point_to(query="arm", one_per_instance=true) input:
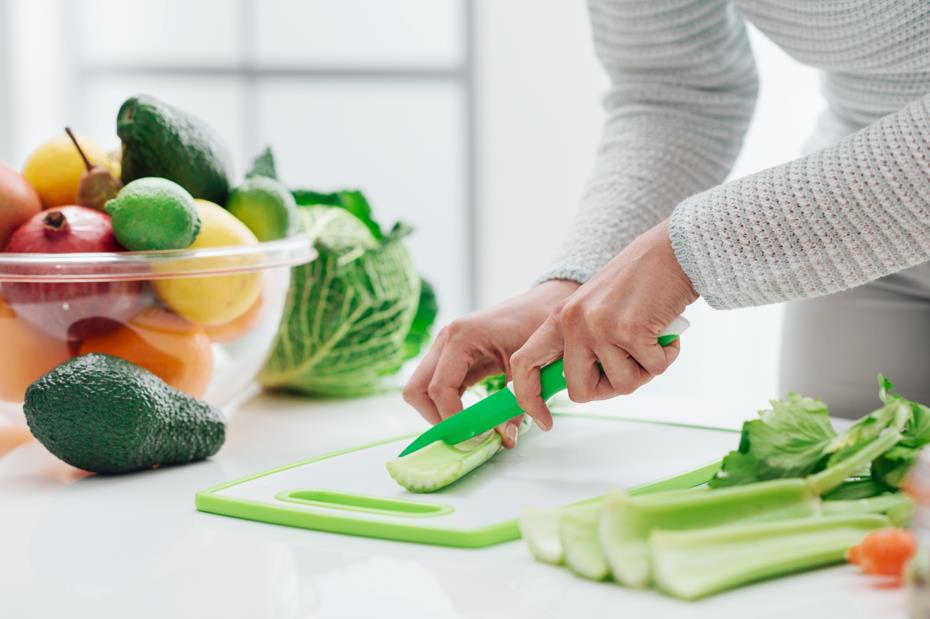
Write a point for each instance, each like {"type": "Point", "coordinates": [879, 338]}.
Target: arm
{"type": "Point", "coordinates": [826, 222]}
{"type": "Point", "coordinates": [683, 89]}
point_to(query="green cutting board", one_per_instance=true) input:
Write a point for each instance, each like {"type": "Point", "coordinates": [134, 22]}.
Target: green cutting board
{"type": "Point", "coordinates": [349, 491]}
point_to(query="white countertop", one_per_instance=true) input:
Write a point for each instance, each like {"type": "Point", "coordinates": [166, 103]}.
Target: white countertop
{"type": "Point", "coordinates": [133, 546]}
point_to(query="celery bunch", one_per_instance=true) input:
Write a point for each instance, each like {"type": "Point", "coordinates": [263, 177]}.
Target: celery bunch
{"type": "Point", "coordinates": [763, 515]}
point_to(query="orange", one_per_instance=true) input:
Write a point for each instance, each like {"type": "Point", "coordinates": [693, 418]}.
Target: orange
{"type": "Point", "coordinates": [237, 327]}
{"type": "Point", "coordinates": [12, 437]}
{"type": "Point", "coordinates": [175, 349]}
{"type": "Point", "coordinates": [27, 354]}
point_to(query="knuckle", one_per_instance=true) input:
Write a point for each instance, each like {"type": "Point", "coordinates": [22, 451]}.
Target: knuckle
{"type": "Point", "coordinates": [457, 329]}
{"type": "Point", "coordinates": [435, 390]}
{"type": "Point", "coordinates": [658, 368]}
{"type": "Point", "coordinates": [570, 312]}
{"type": "Point", "coordinates": [626, 385]}
{"type": "Point", "coordinates": [601, 318]}
{"type": "Point", "coordinates": [411, 394]}
{"type": "Point", "coordinates": [580, 393]}
{"type": "Point", "coordinates": [518, 361]}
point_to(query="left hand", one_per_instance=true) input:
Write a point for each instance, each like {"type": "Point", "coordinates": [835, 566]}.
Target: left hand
{"type": "Point", "coordinates": [606, 330]}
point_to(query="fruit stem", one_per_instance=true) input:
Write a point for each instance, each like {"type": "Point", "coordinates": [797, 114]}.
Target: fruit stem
{"type": "Point", "coordinates": [55, 223]}
{"type": "Point", "coordinates": [80, 151]}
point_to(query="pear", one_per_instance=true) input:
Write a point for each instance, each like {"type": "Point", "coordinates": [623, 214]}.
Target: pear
{"type": "Point", "coordinates": [97, 183]}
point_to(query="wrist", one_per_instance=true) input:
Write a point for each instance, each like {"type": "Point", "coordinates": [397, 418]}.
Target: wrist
{"type": "Point", "coordinates": [662, 243]}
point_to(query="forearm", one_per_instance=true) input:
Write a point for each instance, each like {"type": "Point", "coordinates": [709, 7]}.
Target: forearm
{"type": "Point", "coordinates": [820, 224]}
{"type": "Point", "coordinates": [683, 88]}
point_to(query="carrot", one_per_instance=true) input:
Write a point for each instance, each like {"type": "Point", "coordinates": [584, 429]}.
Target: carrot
{"type": "Point", "coordinates": [884, 552]}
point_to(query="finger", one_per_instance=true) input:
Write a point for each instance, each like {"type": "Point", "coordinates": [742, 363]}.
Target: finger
{"type": "Point", "coordinates": [482, 369]}
{"type": "Point", "coordinates": [672, 351]}
{"type": "Point", "coordinates": [622, 374]}
{"type": "Point", "coordinates": [509, 432]}
{"type": "Point", "coordinates": [582, 374]}
{"type": "Point", "coordinates": [542, 347]}
{"type": "Point", "coordinates": [446, 386]}
{"type": "Point", "coordinates": [415, 391]}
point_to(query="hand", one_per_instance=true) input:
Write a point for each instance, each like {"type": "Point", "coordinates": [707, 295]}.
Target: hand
{"type": "Point", "coordinates": [606, 331]}
{"type": "Point", "coordinates": [479, 345]}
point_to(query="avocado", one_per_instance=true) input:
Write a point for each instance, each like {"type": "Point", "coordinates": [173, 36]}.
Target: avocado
{"type": "Point", "coordinates": [161, 140]}
{"type": "Point", "coordinates": [103, 414]}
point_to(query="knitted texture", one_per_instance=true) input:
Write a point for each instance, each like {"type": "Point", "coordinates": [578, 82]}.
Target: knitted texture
{"type": "Point", "coordinates": [683, 88]}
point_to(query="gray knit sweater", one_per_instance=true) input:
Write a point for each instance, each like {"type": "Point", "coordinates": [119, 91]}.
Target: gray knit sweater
{"type": "Point", "coordinates": [683, 88]}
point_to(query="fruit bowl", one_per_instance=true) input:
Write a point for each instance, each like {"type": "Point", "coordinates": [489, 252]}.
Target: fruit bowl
{"type": "Point", "coordinates": [201, 319]}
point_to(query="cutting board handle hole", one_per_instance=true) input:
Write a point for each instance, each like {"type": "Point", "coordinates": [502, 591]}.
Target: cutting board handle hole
{"type": "Point", "coordinates": [332, 499]}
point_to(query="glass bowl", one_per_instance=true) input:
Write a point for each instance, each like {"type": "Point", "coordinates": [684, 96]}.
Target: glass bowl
{"type": "Point", "coordinates": [203, 320]}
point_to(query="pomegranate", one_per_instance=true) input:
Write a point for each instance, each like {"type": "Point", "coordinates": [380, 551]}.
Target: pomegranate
{"type": "Point", "coordinates": [70, 310]}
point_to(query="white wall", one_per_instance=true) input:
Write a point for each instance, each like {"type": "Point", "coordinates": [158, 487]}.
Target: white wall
{"type": "Point", "coordinates": [539, 119]}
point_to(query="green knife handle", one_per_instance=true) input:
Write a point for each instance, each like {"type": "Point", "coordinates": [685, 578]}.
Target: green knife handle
{"type": "Point", "coordinates": [552, 376]}
{"type": "Point", "coordinates": [552, 379]}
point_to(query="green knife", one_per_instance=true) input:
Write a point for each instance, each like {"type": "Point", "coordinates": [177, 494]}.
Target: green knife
{"type": "Point", "coordinates": [502, 406]}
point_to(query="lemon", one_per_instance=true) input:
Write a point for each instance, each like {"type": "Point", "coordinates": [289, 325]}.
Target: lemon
{"type": "Point", "coordinates": [54, 169]}
{"type": "Point", "coordinates": [214, 299]}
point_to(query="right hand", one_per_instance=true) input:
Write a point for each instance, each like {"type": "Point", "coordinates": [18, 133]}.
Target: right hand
{"type": "Point", "coordinates": [479, 345]}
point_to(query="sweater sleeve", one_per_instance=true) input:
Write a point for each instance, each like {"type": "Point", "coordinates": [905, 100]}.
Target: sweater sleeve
{"type": "Point", "coordinates": [683, 90]}
{"type": "Point", "coordinates": [832, 220]}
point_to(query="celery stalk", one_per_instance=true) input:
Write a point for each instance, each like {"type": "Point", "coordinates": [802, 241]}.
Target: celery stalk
{"type": "Point", "coordinates": [834, 475]}
{"type": "Point", "coordinates": [582, 547]}
{"type": "Point", "coordinates": [694, 564]}
{"type": "Point", "coordinates": [539, 528]}
{"type": "Point", "coordinates": [627, 521]}
{"type": "Point", "coordinates": [437, 465]}
{"type": "Point", "coordinates": [896, 506]}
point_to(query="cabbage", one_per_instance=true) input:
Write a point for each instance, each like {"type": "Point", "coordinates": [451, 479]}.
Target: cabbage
{"type": "Point", "coordinates": [357, 312]}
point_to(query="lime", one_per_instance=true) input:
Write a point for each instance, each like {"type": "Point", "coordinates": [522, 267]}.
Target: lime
{"type": "Point", "coordinates": [265, 206]}
{"type": "Point", "coordinates": [154, 213]}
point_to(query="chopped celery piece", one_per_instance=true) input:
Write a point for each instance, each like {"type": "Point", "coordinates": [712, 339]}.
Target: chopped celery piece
{"type": "Point", "coordinates": [627, 521]}
{"type": "Point", "coordinates": [580, 541]}
{"type": "Point", "coordinates": [694, 564]}
{"type": "Point", "coordinates": [539, 528]}
{"type": "Point", "coordinates": [437, 465]}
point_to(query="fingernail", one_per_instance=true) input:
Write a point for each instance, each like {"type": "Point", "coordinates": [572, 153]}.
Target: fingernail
{"type": "Point", "coordinates": [513, 433]}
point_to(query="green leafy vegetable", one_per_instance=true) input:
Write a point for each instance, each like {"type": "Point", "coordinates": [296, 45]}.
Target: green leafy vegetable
{"type": "Point", "coordinates": [892, 467]}
{"type": "Point", "coordinates": [352, 200]}
{"type": "Point", "coordinates": [795, 438]}
{"type": "Point", "coordinates": [263, 165]}
{"type": "Point", "coordinates": [789, 440]}
{"type": "Point", "coordinates": [356, 313]}
{"type": "Point", "coordinates": [420, 329]}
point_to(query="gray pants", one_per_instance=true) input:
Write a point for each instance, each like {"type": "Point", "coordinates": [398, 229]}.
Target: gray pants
{"type": "Point", "coordinates": [834, 346]}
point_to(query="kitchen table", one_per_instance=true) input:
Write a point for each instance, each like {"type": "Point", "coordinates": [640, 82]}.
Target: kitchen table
{"type": "Point", "coordinates": [133, 546]}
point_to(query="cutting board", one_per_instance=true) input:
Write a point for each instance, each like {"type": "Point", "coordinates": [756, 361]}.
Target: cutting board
{"type": "Point", "coordinates": [350, 491]}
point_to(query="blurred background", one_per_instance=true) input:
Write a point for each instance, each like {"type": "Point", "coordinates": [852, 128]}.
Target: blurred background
{"type": "Point", "coordinates": [474, 121]}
